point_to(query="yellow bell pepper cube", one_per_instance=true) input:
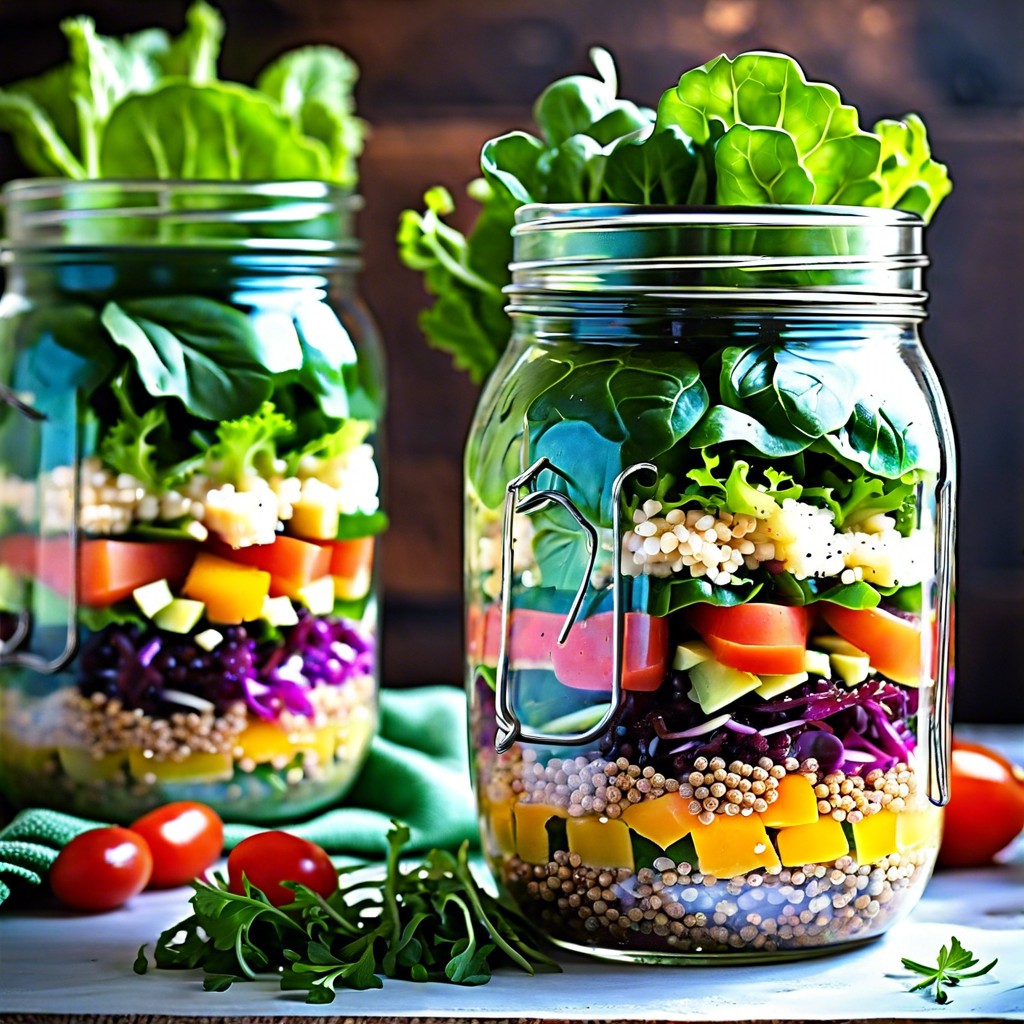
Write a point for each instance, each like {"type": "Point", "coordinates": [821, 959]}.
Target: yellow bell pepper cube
{"type": "Point", "coordinates": [79, 764]}
{"type": "Point", "coordinates": [796, 804]}
{"type": "Point", "coordinates": [198, 767]}
{"type": "Point", "coordinates": [264, 742]}
{"type": "Point", "coordinates": [498, 819]}
{"type": "Point", "coordinates": [819, 843]}
{"type": "Point", "coordinates": [874, 836]}
{"type": "Point", "coordinates": [600, 842]}
{"type": "Point", "coordinates": [531, 835]}
{"type": "Point", "coordinates": [918, 828]}
{"type": "Point", "coordinates": [232, 593]}
{"type": "Point", "coordinates": [663, 821]}
{"type": "Point", "coordinates": [733, 845]}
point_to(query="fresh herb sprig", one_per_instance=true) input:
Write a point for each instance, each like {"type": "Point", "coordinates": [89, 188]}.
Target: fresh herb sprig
{"type": "Point", "coordinates": [953, 966]}
{"type": "Point", "coordinates": [431, 922]}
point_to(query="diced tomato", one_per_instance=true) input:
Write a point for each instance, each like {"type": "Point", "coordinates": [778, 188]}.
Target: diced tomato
{"type": "Point", "coordinates": [109, 570]}
{"type": "Point", "coordinates": [584, 661]}
{"type": "Point", "coordinates": [762, 638]}
{"type": "Point", "coordinates": [892, 644]}
{"type": "Point", "coordinates": [292, 563]}
{"type": "Point", "coordinates": [351, 565]}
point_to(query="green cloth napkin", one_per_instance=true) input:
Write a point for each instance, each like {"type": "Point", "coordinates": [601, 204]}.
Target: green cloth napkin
{"type": "Point", "coordinates": [417, 771]}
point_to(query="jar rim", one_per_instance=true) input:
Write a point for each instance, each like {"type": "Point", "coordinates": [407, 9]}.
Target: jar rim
{"type": "Point", "coordinates": [298, 216]}
{"type": "Point", "coordinates": [849, 258]}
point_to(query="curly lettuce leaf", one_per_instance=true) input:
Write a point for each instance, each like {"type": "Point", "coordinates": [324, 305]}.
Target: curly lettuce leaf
{"type": "Point", "coordinates": [248, 446]}
{"type": "Point", "coordinates": [910, 178]}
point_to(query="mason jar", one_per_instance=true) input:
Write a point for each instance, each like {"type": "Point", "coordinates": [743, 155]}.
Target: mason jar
{"type": "Point", "coordinates": [189, 498]}
{"type": "Point", "coordinates": [709, 573]}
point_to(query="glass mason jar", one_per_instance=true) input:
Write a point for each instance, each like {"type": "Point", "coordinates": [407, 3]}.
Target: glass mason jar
{"type": "Point", "coordinates": [189, 493]}
{"type": "Point", "coordinates": [709, 568]}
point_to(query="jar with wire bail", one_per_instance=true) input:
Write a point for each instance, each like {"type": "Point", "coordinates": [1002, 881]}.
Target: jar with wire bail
{"type": "Point", "coordinates": [709, 577]}
{"type": "Point", "coordinates": [189, 498]}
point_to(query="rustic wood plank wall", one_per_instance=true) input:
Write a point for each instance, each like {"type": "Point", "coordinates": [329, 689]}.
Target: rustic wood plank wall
{"type": "Point", "coordinates": [441, 76]}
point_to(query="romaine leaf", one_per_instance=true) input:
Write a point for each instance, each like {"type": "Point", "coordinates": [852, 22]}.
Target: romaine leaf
{"type": "Point", "coordinates": [768, 90]}
{"type": "Point", "coordinates": [192, 348]}
{"type": "Point", "coordinates": [217, 131]}
{"type": "Point", "coordinates": [195, 52]}
{"type": "Point", "coordinates": [313, 86]}
{"type": "Point", "coordinates": [760, 165]}
{"type": "Point", "coordinates": [910, 178]}
{"type": "Point", "coordinates": [43, 123]}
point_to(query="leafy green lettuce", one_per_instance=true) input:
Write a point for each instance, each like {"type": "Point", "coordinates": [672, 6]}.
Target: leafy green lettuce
{"type": "Point", "coordinates": [151, 106]}
{"type": "Point", "coordinates": [749, 130]}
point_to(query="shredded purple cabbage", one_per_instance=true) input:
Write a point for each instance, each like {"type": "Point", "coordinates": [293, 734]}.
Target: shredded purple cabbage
{"type": "Point", "coordinates": [138, 667]}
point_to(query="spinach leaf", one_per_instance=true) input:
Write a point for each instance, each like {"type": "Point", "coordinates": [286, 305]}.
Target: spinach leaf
{"type": "Point", "coordinates": [560, 549]}
{"type": "Point", "coordinates": [572, 105]}
{"type": "Point", "coordinates": [910, 178]}
{"type": "Point", "coordinates": [509, 163]}
{"type": "Point", "coordinates": [655, 167]}
{"type": "Point", "coordinates": [65, 352]}
{"type": "Point", "coordinates": [810, 387]}
{"type": "Point", "coordinates": [723, 424]}
{"type": "Point", "coordinates": [882, 440]}
{"type": "Point", "coordinates": [188, 347]}
{"type": "Point", "coordinates": [215, 131]}
{"type": "Point", "coordinates": [313, 87]}
{"type": "Point", "coordinates": [670, 595]}
{"type": "Point", "coordinates": [328, 355]}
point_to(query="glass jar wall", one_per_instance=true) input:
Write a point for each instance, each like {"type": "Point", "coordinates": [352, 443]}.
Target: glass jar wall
{"type": "Point", "coordinates": [189, 498]}
{"type": "Point", "coordinates": [709, 556]}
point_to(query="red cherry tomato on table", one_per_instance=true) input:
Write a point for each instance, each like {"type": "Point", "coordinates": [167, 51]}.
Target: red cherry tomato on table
{"type": "Point", "coordinates": [269, 858]}
{"type": "Point", "coordinates": [101, 869]}
{"type": "Point", "coordinates": [986, 806]}
{"type": "Point", "coordinates": [185, 838]}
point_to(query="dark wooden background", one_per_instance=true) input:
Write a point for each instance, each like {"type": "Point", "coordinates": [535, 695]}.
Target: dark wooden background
{"type": "Point", "coordinates": [441, 76]}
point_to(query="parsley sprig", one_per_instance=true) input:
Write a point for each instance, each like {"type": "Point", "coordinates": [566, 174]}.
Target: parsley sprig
{"type": "Point", "coordinates": [953, 966]}
{"type": "Point", "coordinates": [429, 923]}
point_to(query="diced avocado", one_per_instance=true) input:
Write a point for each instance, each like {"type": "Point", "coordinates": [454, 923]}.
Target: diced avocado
{"type": "Point", "coordinates": [837, 645]}
{"type": "Point", "coordinates": [318, 595]}
{"type": "Point", "coordinates": [816, 662]}
{"type": "Point", "coordinates": [12, 591]}
{"type": "Point", "coordinates": [279, 611]}
{"type": "Point", "coordinates": [718, 685]}
{"type": "Point", "coordinates": [772, 686]}
{"type": "Point", "coordinates": [209, 639]}
{"type": "Point", "coordinates": [153, 597]}
{"type": "Point", "coordinates": [852, 669]}
{"type": "Point", "coordinates": [80, 764]}
{"type": "Point", "coordinates": [689, 654]}
{"type": "Point", "coordinates": [180, 616]}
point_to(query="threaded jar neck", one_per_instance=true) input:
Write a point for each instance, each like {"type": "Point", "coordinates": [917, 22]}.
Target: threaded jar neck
{"type": "Point", "coordinates": [834, 260]}
{"type": "Point", "coordinates": [309, 219]}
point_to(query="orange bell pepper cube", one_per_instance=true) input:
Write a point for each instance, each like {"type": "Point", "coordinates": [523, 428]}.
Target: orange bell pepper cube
{"type": "Point", "coordinates": [292, 563]}
{"type": "Point", "coordinates": [892, 644]}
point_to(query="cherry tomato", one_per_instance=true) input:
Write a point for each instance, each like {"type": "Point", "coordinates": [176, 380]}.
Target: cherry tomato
{"type": "Point", "coordinates": [185, 838]}
{"type": "Point", "coordinates": [269, 858]}
{"type": "Point", "coordinates": [986, 806]}
{"type": "Point", "coordinates": [101, 869]}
